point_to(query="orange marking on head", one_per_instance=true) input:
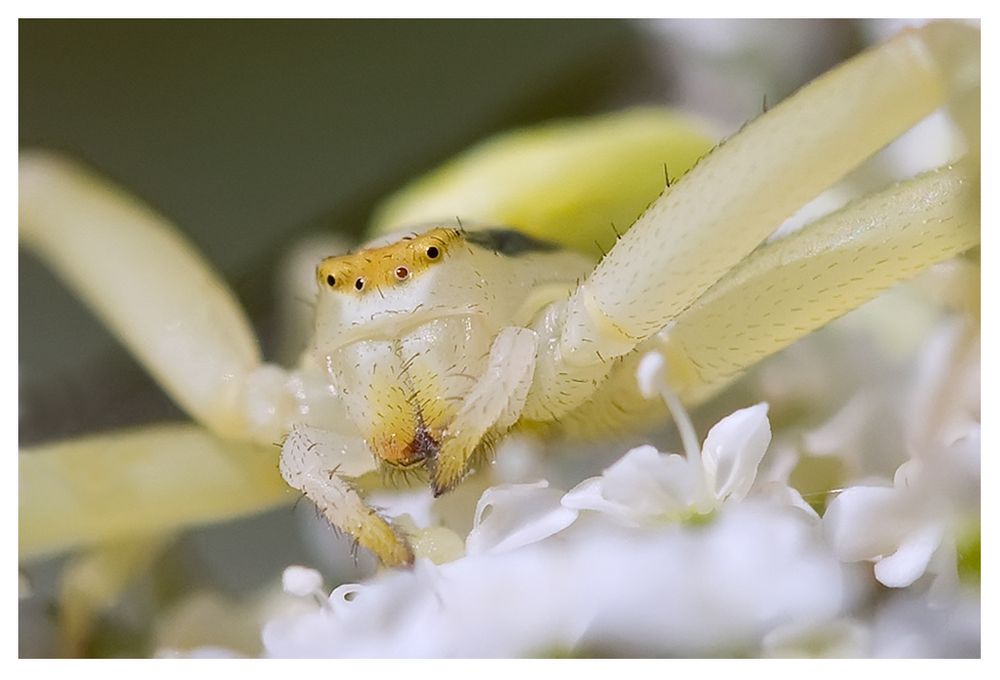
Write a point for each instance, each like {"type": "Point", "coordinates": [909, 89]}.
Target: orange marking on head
{"type": "Point", "coordinates": [380, 268]}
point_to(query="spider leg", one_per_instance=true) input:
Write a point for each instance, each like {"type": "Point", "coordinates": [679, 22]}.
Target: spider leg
{"type": "Point", "coordinates": [325, 479]}
{"type": "Point", "coordinates": [156, 294]}
{"type": "Point", "coordinates": [141, 482]}
{"type": "Point", "coordinates": [712, 218]}
{"type": "Point", "coordinates": [794, 285]}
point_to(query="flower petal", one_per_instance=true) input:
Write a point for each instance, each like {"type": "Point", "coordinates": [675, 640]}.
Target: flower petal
{"type": "Point", "coordinates": [859, 523]}
{"type": "Point", "coordinates": [782, 494]}
{"type": "Point", "coordinates": [733, 451]}
{"type": "Point", "coordinates": [519, 514]}
{"type": "Point", "coordinates": [589, 495]}
{"type": "Point", "coordinates": [650, 484]}
{"type": "Point", "coordinates": [910, 561]}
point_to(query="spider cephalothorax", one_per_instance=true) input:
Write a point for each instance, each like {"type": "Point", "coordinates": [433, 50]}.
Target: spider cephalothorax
{"type": "Point", "coordinates": [404, 329]}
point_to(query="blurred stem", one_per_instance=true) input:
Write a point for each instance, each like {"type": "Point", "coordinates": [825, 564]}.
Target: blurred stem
{"type": "Point", "coordinates": [94, 581]}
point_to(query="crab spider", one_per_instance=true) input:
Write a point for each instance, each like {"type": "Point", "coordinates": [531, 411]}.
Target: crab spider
{"type": "Point", "coordinates": [432, 344]}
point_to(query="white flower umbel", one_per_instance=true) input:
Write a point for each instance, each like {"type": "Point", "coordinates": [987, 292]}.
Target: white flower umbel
{"type": "Point", "coordinates": [596, 588]}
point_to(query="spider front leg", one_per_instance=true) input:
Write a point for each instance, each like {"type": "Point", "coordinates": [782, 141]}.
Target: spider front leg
{"type": "Point", "coordinates": [142, 482]}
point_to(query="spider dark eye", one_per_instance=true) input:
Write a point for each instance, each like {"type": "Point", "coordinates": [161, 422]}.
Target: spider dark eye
{"type": "Point", "coordinates": [330, 281]}
{"type": "Point", "coordinates": [359, 284]}
{"type": "Point", "coordinates": [402, 273]}
{"type": "Point", "coordinates": [433, 252]}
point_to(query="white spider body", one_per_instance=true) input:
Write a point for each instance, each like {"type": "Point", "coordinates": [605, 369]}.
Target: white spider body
{"type": "Point", "coordinates": [404, 338]}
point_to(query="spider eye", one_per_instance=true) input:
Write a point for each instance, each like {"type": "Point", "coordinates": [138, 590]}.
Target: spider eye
{"type": "Point", "coordinates": [402, 273]}
{"type": "Point", "coordinates": [433, 252]}
{"type": "Point", "coordinates": [330, 281]}
{"type": "Point", "coordinates": [359, 284]}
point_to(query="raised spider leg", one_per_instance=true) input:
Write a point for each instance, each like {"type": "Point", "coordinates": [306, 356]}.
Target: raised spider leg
{"type": "Point", "coordinates": [793, 286]}
{"type": "Point", "coordinates": [720, 211]}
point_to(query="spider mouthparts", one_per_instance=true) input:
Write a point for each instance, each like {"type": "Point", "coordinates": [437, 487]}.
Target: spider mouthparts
{"type": "Point", "coordinates": [424, 446]}
{"type": "Point", "coordinates": [420, 449]}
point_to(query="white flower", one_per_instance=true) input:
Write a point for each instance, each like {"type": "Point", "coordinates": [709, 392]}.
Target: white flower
{"type": "Point", "coordinates": [648, 486]}
{"type": "Point", "coordinates": [911, 528]}
{"type": "Point", "coordinates": [512, 515]}
{"type": "Point", "coordinates": [885, 525]}
{"type": "Point", "coordinates": [538, 577]}
{"type": "Point", "coordinates": [908, 528]}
